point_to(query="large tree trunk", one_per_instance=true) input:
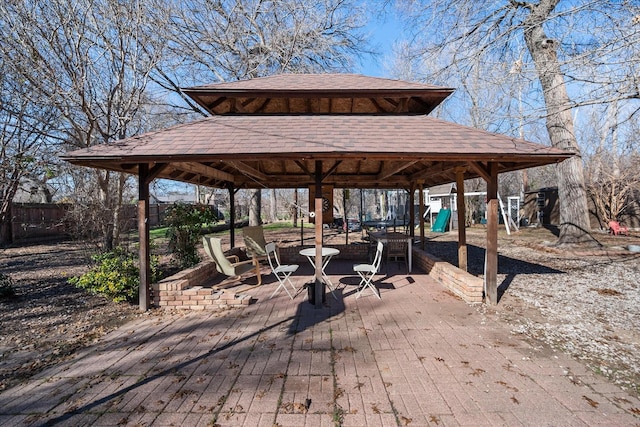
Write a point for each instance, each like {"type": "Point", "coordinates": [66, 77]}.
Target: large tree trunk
{"type": "Point", "coordinates": [574, 216]}
{"type": "Point", "coordinates": [273, 211]}
{"type": "Point", "coordinates": [255, 206]}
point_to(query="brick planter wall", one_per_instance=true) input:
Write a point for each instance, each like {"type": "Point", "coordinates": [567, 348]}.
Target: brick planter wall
{"type": "Point", "coordinates": [465, 285]}
{"type": "Point", "coordinates": [187, 290]}
{"type": "Point", "coordinates": [354, 252]}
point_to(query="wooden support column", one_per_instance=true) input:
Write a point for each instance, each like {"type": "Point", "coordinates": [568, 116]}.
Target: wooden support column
{"type": "Point", "coordinates": [412, 211]}
{"type": "Point", "coordinates": [491, 268]}
{"type": "Point", "coordinates": [145, 176]}
{"type": "Point", "coordinates": [143, 233]}
{"type": "Point", "coordinates": [318, 229]}
{"type": "Point", "coordinates": [462, 231]}
{"type": "Point", "coordinates": [232, 214]}
{"type": "Point", "coordinates": [421, 211]}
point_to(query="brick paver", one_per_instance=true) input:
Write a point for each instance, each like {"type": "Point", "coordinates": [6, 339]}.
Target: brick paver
{"type": "Point", "coordinates": [417, 357]}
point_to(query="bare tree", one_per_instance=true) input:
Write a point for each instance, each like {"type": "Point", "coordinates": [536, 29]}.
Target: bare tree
{"type": "Point", "coordinates": [90, 59]}
{"type": "Point", "coordinates": [25, 128]}
{"type": "Point", "coordinates": [227, 40]}
{"type": "Point", "coordinates": [567, 44]}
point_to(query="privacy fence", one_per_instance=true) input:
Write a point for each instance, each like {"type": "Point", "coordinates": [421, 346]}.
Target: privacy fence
{"type": "Point", "coordinates": [40, 222]}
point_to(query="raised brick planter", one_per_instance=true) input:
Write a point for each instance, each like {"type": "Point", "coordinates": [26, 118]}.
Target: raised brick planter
{"type": "Point", "coordinates": [467, 286]}
{"type": "Point", "coordinates": [463, 284]}
{"type": "Point", "coordinates": [187, 290]}
{"type": "Point", "coordinates": [354, 252]}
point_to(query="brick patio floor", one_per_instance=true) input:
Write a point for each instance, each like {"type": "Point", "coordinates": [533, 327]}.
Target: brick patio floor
{"type": "Point", "coordinates": [417, 357]}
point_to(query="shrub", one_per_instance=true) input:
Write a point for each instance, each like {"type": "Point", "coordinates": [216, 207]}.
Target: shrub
{"type": "Point", "coordinates": [6, 287]}
{"type": "Point", "coordinates": [185, 223]}
{"type": "Point", "coordinates": [115, 275]}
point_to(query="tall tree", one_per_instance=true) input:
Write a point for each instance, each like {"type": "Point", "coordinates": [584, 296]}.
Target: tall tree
{"type": "Point", "coordinates": [25, 129]}
{"type": "Point", "coordinates": [568, 43]}
{"type": "Point", "coordinates": [91, 60]}
{"type": "Point", "coordinates": [227, 40]}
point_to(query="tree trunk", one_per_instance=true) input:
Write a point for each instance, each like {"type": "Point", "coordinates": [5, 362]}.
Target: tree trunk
{"type": "Point", "coordinates": [273, 211]}
{"type": "Point", "coordinates": [255, 208]}
{"type": "Point", "coordinates": [574, 216]}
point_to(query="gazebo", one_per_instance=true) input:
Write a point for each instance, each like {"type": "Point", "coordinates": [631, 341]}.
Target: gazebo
{"type": "Point", "coordinates": [315, 131]}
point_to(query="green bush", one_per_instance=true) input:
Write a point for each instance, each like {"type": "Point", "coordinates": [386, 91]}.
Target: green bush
{"type": "Point", "coordinates": [6, 287]}
{"type": "Point", "coordinates": [115, 275]}
{"type": "Point", "coordinates": [185, 223]}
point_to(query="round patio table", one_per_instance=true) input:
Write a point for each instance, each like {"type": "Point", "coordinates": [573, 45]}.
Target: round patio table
{"type": "Point", "coordinates": [327, 254]}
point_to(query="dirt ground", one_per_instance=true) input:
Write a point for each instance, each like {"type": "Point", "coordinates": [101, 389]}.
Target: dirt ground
{"type": "Point", "coordinates": [578, 300]}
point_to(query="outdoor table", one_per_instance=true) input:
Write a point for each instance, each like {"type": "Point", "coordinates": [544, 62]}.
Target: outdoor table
{"type": "Point", "coordinates": [388, 237]}
{"type": "Point", "coordinates": [327, 254]}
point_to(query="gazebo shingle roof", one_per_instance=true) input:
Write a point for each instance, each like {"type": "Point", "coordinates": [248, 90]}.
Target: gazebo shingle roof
{"type": "Point", "coordinates": [268, 132]}
{"type": "Point", "coordinates": [277, 147]}
{"type": "Point", "coordinates": [319, 94]}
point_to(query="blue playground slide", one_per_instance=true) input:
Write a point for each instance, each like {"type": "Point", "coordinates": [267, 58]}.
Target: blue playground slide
{"type": "Point", "coordinates": [440, 225]}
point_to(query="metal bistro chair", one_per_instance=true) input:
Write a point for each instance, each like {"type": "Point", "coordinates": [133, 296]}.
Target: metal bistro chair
{"type": "Point", "coordinates": [281, 271]}
{"type": "Point", "coordinates": [368, 271]}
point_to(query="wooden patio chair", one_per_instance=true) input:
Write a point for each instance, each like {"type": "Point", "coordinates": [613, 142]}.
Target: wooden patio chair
{"type": "Point", "coordinates": [229, 265]}
{"type": "Point", "coordinates": [397, 250]}
{"type": "Point", "coordinates": [615, 228]}
{"type": "Point", "coordinates": [255, 242]}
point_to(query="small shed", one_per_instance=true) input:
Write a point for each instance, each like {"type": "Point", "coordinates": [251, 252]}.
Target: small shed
{"type": "Point", "coordinates": [542, 206]}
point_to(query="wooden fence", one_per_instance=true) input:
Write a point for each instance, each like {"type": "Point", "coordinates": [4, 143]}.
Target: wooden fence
{"type": "Point", "coordinates": [40, 222]}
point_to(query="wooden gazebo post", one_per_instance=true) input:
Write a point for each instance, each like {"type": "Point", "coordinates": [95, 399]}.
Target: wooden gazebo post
{"type": "Point", "coordinates": [412, 211]}
{"type": "Point", "coordinates": [490, 174]}
{"type": "Point", "coordinates": [232, 215]}
{"type": "Point", "coordinates": [145, 176]}
{"type": "Point", "coordinates": [462, 232]}
{"type": "Point", "coordinates": [143, 236]}
{"type": "Point", "coordinates": [491, 270]}
{"type": "Point", "coordinates": [421, 211]}
{"type": "Point", "coordinates": [318, 229]}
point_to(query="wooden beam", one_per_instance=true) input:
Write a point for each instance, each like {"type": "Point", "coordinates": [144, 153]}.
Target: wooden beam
{"type": "Point", "coordinates": [200, 169]}
{"type": "Point", "coordinates": [491, 269]}
{"type": "Point", "coordinates": [462, 229]}
{"type": "Point", "coordinates": [392, 168]}
{"type": "Point", "coordinates": [143, 233]}
{"type": "Point", "coordinates": [482, 170]}
{"type": "Point", "coordinates": [435, 169]}
{"type": "Point", "coordinates": [155, 171]}
{"type": "Point", "coordinates": [248, 170]}
{"type": "Point", "coordinates": [331, 170]}
{"type": "Point", "coordinates": [304, 168]}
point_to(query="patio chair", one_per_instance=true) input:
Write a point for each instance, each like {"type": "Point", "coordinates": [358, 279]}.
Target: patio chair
{"type": "Point", "coordinates": [229, 265]}
{"type": "Point", "coordinates": [397, 250]}
{"type": "Point", "coordinates": [368, 271]}
{"type": "Point", "coordinates": [281, 271]}
{"type": "Point", "coordinates": [255, 242]}
{"type": "Point", "coordinates": [615, 228]}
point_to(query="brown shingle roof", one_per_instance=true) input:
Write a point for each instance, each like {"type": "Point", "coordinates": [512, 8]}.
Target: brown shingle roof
{"type": "Point", "coordinates": [318, 83]}
{"type": "Point", "coordinates": [318, 94]}
{"type": "Point", "coordinates": [273, 150]}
